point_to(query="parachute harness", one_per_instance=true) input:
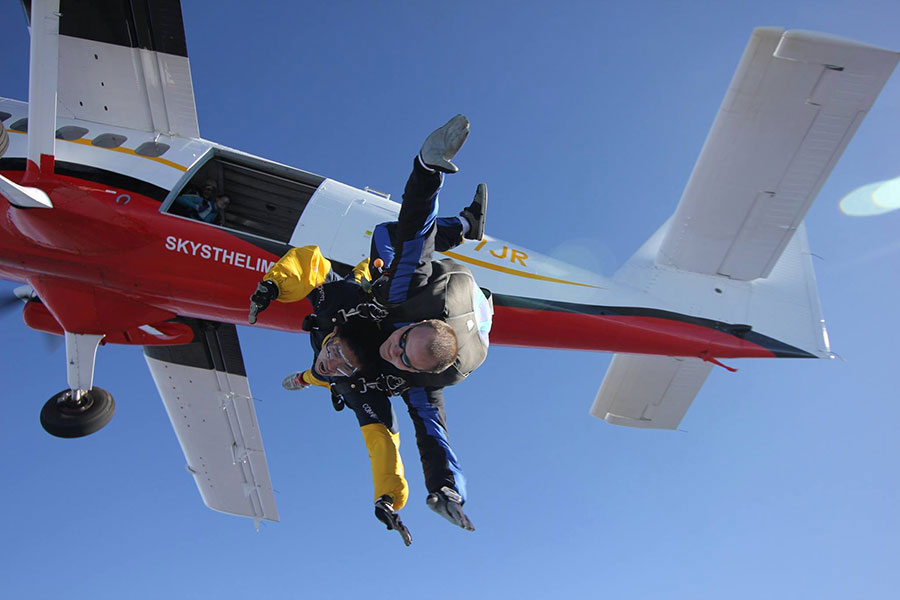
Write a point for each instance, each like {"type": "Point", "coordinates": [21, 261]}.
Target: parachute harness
{"type": "Point", "coordinates": [370, 309]}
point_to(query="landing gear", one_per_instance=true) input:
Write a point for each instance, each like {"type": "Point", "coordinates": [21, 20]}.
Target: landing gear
{"type": "Point", "coordinates": [72, 414]}
{"type": "Point", "coordinates": [83, 408]}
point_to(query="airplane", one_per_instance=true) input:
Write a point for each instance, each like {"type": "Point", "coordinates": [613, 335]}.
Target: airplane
{"type": "Point", "coordinates": [91, 167]}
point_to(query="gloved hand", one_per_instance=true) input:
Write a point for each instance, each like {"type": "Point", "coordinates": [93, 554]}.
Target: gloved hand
{"type": "Point", "coordinates": [384, 512]}
{"type": "Point", "coordinates": [448, 503]}
{"type": "Point", "coordinates": [337, 401]}
{"type": "Point", "coordinates": [266, 291]}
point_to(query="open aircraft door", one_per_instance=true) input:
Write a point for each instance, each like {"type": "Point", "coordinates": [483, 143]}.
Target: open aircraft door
{"type": "Point", "coordinates": [356, 211]}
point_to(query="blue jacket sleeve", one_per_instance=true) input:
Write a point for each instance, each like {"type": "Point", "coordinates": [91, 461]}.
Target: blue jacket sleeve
{"type": "Point", "coordinates": [439, 462]}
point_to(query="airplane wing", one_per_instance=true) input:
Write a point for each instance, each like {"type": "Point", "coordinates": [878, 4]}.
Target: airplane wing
{"type": "Point", "coordinates": [125, 64]}
{"type": "Point", "coordinates": [205, 390]}
{"type": "Point", "coordinates": [646, 391]}
{"type": "Point", "coordinates": [794, 103]}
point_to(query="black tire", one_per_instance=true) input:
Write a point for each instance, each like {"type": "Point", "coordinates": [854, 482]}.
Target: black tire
{"type": "Point", "coordinates": [62, 418]}
{"type": "Point", "coordinates": [4, 139]}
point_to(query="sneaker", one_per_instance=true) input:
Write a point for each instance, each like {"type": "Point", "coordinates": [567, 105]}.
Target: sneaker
{"type": "Point", "coordinates": [443, 144]}
{"type": "Point", "coordinates": [475, 213]}
{"type": "Point", "coordinates": [294, 381]}
{"type": "Point", "coordinates": [384, 512]}
{"type": "Point", "coordinates": [448, 503]}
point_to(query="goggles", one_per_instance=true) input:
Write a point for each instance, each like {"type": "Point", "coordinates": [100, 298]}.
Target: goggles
{"type": "Point", "coordinates": [402, 342]}
{"type": "Point", "coordinates": [334, 352]}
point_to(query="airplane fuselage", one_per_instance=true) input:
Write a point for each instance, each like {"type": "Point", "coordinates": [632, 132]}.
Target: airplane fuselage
{"type": "Point", "coordinates": [112, 257]}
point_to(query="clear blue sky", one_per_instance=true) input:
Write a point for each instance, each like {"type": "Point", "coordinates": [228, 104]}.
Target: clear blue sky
{"type": "Point", "coordinates": [586, 121]}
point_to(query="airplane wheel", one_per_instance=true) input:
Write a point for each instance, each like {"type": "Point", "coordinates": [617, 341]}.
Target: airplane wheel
{"type": "Point", "coordinates": [64, 417]}
{"type": "Point", "coordinates": [4, 139]}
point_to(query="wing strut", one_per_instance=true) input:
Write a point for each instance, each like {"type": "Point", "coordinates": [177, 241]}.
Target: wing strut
{"type": "Point", "coordinates": [42, 80]}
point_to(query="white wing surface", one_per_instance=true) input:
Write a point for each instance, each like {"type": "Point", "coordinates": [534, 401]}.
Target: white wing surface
{"type": "Point", "coordinates": [207, 396]}
{"type": "Point", "coordinates": [652, 392]}
{"type": "Point", "coordinates": [125, 63]}
{"type": "Point", "coordinates": [794, 103]}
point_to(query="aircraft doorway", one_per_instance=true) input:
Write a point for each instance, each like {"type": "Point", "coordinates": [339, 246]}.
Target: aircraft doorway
{"type": "Point", "coordinates": [263, 199]}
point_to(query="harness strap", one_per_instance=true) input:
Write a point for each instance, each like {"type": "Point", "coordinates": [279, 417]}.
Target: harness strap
{"type": "Point", "coordinates": [391, 385]}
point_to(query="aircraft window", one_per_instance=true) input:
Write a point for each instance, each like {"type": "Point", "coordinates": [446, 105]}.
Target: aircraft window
{"type": "Point", "coordinates": [20, 125]}
{"type": "Point", "coordinates": [109, 140]}
{"type": "Point", "coordinates": [70, 133]}
{"type": "Point", "coordinates": [4, 115]}
{"type": "Point", "coordinates": [151, 149]}
{"type": "Point", "coordinates": [264, 199]}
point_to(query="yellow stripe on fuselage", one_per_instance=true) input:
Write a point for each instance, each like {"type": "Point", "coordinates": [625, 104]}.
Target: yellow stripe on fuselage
{"type": "Point", "coordinates": [87, 142]}
{"type": "Point", "coordinates": [516, 272]}
{"type": "Point", "coordinates": [454, 255]}
{"type": "Point", "coordinates": [161, 161]}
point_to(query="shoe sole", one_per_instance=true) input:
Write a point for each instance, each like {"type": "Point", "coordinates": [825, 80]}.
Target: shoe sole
{"type": "Point", "coordinates": [450, 136]}
{"type": "Point", "coordinates": [478, 233]}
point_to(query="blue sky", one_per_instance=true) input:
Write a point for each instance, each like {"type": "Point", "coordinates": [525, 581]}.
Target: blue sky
{"type": "Point", "coordinates": [586, 118]}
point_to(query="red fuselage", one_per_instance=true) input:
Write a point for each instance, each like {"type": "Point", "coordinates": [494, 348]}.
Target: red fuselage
{"type": "Point", "coordinates": [105, 260]}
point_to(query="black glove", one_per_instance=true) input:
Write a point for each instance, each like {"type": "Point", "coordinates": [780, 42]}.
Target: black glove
{"type": "Point", "coordinates": [266, 291]}
{"type": "Point", "coordinates": [384, 512]}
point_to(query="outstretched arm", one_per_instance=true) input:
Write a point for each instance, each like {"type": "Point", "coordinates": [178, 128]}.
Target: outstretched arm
{"type": "Point", "coordinates": [298, 272]}
{"type": "Point", "coordinates": [378, 424]}
{"type": "Point", "coordinates": [439, 462]}
{"type": "Point", "coordinates": [292, 278]}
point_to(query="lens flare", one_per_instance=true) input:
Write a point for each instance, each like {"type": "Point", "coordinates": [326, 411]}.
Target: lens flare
{"type": "Point", "coordinates": [888, 195]}
{"type": "Point", "coordinates": [872, 199]}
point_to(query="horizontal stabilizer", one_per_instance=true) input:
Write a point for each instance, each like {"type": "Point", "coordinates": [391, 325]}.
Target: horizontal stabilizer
{"type": "Point", "coordinates": [646, 391]}
{"type": "Point", "coordinates": [207, 396]}
{"type": "Point", "coordinates": [795, 102]}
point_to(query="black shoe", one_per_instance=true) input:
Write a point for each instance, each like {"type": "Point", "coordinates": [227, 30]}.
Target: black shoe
{"type": "Point", "coordinates": [384, 512]}
{"type": "Point", "coordinates": [448, 503]}
{"type": "Point", "coordinates": [443, 143]}
{"type": "Point", "coordinates": [475, 213]}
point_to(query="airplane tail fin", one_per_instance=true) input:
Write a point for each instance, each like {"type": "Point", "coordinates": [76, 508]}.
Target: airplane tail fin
{"type": "Point", "coordinates": [783, 306]}
{"type": "Point", "coordinates": [735, 253]}
{"type": "Point", "coordinates": [655, 392]}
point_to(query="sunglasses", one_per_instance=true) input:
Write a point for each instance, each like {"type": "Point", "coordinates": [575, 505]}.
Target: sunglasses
{"type": "Point", "coordinates": [333, 352]}
{"type": "Point", "coordinates": [402, 342]}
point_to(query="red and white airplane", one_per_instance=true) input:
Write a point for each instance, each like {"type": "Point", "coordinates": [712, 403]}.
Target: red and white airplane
{"type": "Point", "coordinates": [93, 162]}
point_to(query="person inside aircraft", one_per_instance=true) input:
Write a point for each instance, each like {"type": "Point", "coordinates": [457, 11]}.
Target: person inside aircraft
{"type": "Point", "coordinates": [406, 347]}
{"type": "Point", "coordinates": [204, 204]}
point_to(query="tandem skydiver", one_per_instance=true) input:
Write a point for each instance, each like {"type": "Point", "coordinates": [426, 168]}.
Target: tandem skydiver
{"type": "Point", "coordinates": [432, 329]}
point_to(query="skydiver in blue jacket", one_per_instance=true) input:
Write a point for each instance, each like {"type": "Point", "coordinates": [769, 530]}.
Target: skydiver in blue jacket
{"type": "Point", "coordinates": [418, 357]}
